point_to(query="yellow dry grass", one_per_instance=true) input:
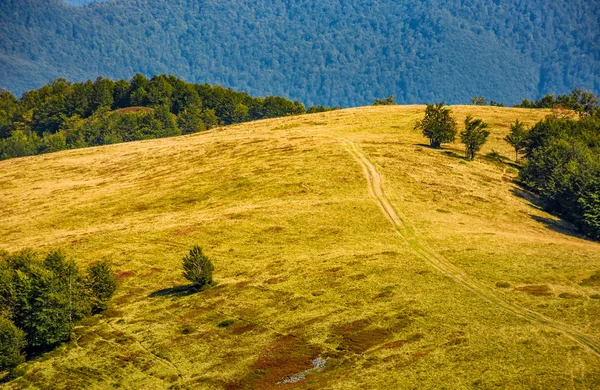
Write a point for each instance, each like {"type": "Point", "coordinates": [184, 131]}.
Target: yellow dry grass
{"type": "Point", "coordinates": [307, 262]}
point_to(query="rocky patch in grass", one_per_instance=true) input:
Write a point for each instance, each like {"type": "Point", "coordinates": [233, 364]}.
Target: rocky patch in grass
{"type": "Point", "coordinates": [286, 361]}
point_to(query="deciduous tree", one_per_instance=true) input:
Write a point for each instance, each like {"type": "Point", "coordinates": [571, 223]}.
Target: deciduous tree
{"type": "Point", "coordinates": [474, 136]}
{"type": "Point", "coordinates": [437, 125]}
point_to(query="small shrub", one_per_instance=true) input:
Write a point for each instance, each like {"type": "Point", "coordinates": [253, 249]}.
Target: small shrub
{"type": "Point", "coordinates": [197, 268]}
{"type": "Point", "coordinates": [225, 324]}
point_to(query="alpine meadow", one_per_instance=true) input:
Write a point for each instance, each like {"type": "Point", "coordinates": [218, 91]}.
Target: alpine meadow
{"type": "Point", "coordinates": [340, 236]}
{"type": "Point", "coordinates": [278, 194]}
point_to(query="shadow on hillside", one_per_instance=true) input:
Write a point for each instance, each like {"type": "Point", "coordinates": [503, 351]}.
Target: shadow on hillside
{"type": "Point", "coordinates": [444, 151]}
{"type": "Point", "coordinates": [177, 291]}
{"type": "Point", "coordinates": [452, 154]}
{"type": "Point", "coordinates": [523, 193]}
{"type": "Point", "coordinates": [559, 226]}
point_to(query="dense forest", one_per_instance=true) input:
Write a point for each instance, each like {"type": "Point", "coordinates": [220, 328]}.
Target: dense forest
{"type": "Point", "coordinates": [64, 115]}
{"type": "Point", "coordinates": [563, 166]}
{"type": "Point", "coordinates": [341, 52]}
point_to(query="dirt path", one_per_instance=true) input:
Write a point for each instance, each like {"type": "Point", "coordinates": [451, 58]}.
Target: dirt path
{"type": "Point", "coordinates": [445, 266]}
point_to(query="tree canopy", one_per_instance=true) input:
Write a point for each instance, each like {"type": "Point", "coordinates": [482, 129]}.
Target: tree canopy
{"type": "Point", "coordinates": [474, 136]}
{"type": "Point", "coordinates": [63, 115]}
{"type": "Point", "coordinates": [437, 125]}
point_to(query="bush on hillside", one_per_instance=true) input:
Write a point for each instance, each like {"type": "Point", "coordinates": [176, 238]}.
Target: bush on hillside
{"type": "Point", "coordinates": [197, 268]}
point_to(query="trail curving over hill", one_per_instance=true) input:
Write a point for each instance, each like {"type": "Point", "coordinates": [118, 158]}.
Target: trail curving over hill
{"type": "Point", "coordinates": [446, 267]}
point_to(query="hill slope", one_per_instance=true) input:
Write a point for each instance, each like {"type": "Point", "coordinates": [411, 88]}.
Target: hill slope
{"type": "Point", "coordinates": [335, 235]}
{"type": "Point", "coordinates": [320, 52]}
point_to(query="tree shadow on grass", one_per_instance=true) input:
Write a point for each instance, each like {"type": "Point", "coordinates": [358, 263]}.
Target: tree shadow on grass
{"type": "Point", "coordinates": [524, 193]}
{"type": "Point", "coordinates": [559, 226]}
{"type": "Point", "coordinates": [444, 151]}
{"type": "Point", "coordinates": [182, 291]}
{"type": "Point", "coordinates": [452, 154]}
{"type": "Point", "coordinates": [177, 291]}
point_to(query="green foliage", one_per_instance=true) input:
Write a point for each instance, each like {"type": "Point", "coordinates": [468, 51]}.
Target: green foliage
{"type": "Point", "coordinates": [437, 125]}
{"type": "Point", "coordinates": [478, 101]}
{"type": "Point", "coordinates": [582, 101]}
{"type": "Point", "coordinates": [590, 206]}
{"type": "Point", "coordinates": [474, 136]}
{"type": "Point", "coordinates": [388, 101]}
{"type": "Point", "coordinates": [197, 268]}
{"type": "Point", "coordinates": [102, 284]}
{"type": "Point", "coordinates": [190, 120]}
{"type": "Point", "coordinates": [62, 115]}
{"type": "Point", "coordinates": [564, 166]}
{"type": "Point", "coordinates": [12, 342]}
{"type": "Point", "coordinates": [209, 118]}
{"type": "Point", "coordinates": [45, 298]}
{"type": "Point", "coordinates": [20, 143]}
{"type": "Point", "coordinates": [517, 137]}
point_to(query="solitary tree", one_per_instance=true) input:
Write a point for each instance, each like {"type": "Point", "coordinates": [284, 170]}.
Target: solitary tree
{"type": "Point", "coordinates": [197, 268]}
{"type": "Point", "coordinates": [474, 135]}
{"type": "Point", "coordinates": [517, 137]}
{"type": "Point", "coordinates": [437, 125]}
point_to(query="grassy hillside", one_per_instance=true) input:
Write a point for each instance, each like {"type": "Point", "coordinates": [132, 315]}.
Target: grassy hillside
{"type": "Point", "coordinates": [337, 235]}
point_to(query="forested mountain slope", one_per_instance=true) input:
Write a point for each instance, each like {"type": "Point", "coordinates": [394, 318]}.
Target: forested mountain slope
{"type": "Point", "coordinates": [343, 52]}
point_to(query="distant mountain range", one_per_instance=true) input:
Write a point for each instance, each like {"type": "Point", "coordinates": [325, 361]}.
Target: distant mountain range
{"type": "Point", "coordinates": [333, 52]}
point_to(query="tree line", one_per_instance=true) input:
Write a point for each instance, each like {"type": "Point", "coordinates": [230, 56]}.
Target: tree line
{"type": "Point", "coordinates": [561, 155]}
{"type": "Point", "coordinates": [64, 115]}
{"type": "Point", "coordinates": [41, 300]}
{"type": "Point", "coordinates": [579, 100]}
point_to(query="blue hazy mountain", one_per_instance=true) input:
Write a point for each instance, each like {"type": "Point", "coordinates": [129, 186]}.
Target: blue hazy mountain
{"type": "Point", "coordinates": [345, 52]}
{"type": "Point", "coordinates": [82, 2]}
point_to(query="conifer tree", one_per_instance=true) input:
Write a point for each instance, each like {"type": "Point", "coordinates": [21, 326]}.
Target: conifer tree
{"type": "Point", "coordinates": [197, 268]}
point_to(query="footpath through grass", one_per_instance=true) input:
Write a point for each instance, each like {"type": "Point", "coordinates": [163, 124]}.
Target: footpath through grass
{"type": "Point", "coordinates": [307, 263]}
